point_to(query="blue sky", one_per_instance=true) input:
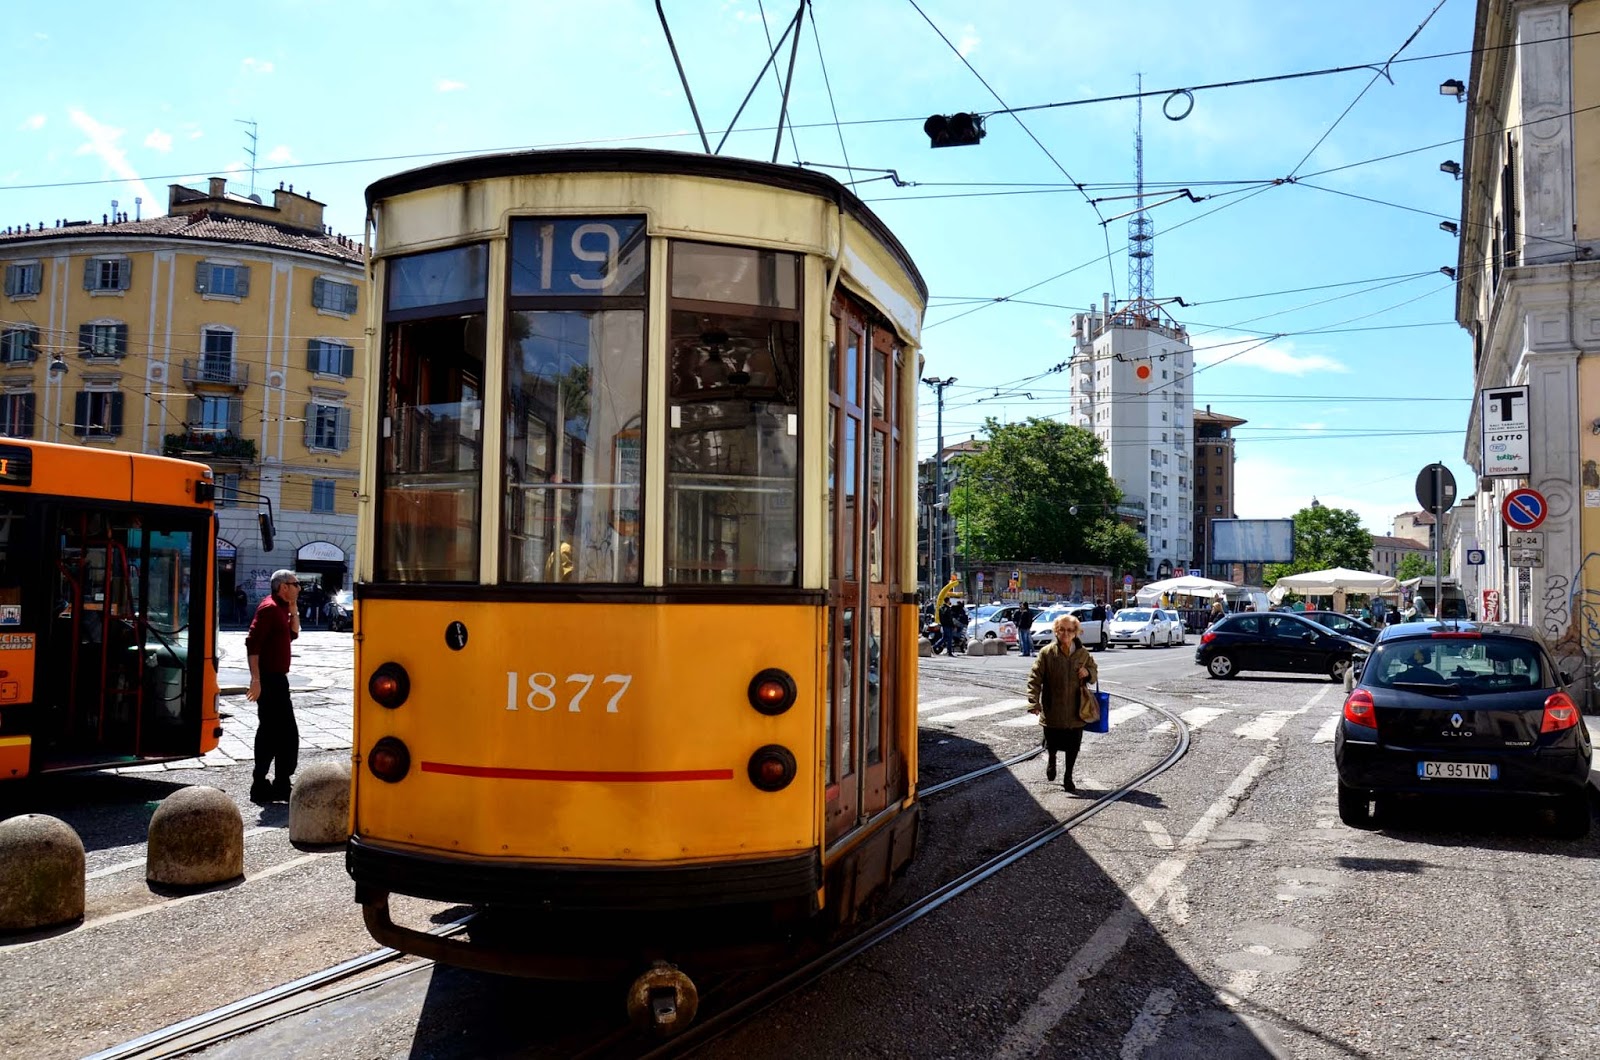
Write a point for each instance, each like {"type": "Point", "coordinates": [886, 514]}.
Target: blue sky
{"type": "Point", "coordinates": [1368, 382]}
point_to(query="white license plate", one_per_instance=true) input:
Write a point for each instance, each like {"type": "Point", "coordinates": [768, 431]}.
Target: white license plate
{"type": "Point", "coordinates": [1457, 771]}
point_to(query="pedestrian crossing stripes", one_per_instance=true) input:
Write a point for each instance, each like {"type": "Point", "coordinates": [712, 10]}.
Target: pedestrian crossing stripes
{"type": "Point", "coordinates": [1247, 725]}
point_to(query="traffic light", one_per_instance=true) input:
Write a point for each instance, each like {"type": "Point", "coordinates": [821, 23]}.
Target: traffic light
{"type": "Point", "coordinates": [954, 130]}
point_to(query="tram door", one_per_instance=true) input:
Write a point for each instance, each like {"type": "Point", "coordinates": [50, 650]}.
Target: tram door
{"type": "Point", "coordinates": [865, 769]}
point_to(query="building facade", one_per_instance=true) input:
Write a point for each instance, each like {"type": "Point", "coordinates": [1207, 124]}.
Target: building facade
{"type": "Point", "coordinates": [1388, 552]}
{"type": "Point", "coordinates": [1213, 485]}
{"type": "Point", "coordinates": [227, 331]}
{"type": "Point", "coordinates": [1131, 386]}
{"type": "Point", "coordinates": [1414, 526]}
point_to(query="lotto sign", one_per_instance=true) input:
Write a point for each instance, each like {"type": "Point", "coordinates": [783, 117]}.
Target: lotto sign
{"type": "Point", "coordinates": [1524, 509]}
{"type": "Point", "coordinates": [1507, 444]}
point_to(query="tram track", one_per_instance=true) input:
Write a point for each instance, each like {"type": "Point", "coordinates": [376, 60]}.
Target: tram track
{"type": "Point", "coordinates": [382, 966]}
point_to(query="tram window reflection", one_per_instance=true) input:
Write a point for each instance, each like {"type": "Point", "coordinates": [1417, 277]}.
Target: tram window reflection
{"type": "Point", "coordinates": [574, 384]}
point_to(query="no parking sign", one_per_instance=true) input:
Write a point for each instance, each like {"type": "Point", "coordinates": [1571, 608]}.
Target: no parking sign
{"type": "Point", "coordinates": [1524, 509]}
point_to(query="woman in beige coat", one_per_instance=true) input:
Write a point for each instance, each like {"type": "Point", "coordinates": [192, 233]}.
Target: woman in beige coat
{"type": "Point", "coordinates": [1062, 675]}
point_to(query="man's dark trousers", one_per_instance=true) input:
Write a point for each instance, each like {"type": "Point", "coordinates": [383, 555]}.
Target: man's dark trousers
{"type": "Point", "coordinates": [277, 735]}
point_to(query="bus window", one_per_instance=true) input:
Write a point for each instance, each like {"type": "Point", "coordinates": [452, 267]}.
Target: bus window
{"type": "Point", "coordinates": [732, 463]}
{"type": "Point", "coordinates": [432, 417]}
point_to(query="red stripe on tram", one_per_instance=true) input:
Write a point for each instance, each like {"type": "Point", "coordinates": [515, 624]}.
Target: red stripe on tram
{"type": "Point", "coordinates": [604, 775]}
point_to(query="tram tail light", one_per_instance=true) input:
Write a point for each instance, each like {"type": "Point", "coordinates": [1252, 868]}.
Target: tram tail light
{"type": "Point", "coordinates": [772, 691]}
{"type": "Point", "coordinates": [389, 685]}
{"type": "Point", "coordinates": [772, 768]}
{"type": "Point", "coordinates": [389, 760]}
{"type": "Point", "coordinates": [1559, 713]}
{"type": "Point", "coordinates": [1360, 710]}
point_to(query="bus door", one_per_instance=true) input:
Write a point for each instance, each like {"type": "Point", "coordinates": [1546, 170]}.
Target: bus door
{"type": "Point", "coordinates": [21, 611]}
{"type": "Point", "coordinates": [863, 763]}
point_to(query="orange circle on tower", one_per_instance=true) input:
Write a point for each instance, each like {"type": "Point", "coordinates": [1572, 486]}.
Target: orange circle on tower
{"type": "Point", "coordinates": [1143, 371]}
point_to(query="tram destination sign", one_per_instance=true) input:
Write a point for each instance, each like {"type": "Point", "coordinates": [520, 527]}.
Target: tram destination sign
{"type": "Point", "coordinates": [1507, 445]}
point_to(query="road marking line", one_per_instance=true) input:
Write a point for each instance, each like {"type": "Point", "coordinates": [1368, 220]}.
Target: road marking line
{"type": "Point", "coordinates": [1265, 725]}
{"type": "Point", "coordinates": [130, 914]}
{"type": "Point", "coordinates": [1128, 713]}
{"type": "Point", "coordinates": [1198, 718]}
{"type": "Point", "coordinates": [1018, 723]}
{"type": "Point", "coordinates": [947, 701]}
{"type": "Point", "coordinates": [1325, 734]}
{"type": "Point", "coordinates": [980, 712]}
{"type": "Point", "coordinates": [1158, 834]}
{"type": "Point", "coordinates": [1148, 1024]}
{"type": "Point", "coordinates": [1026, 1037]}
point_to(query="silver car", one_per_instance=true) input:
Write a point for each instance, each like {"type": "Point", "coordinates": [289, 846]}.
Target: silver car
{"type": "Point", "coordinates": [1093, 635]}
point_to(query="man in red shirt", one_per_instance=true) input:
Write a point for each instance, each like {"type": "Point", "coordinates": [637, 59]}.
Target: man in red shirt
{"type": "Point", "coordinates": [276, 623]}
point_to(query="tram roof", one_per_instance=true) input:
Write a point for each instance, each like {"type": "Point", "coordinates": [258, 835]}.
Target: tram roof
{"type": "Point", "coordinates": [644, 160]}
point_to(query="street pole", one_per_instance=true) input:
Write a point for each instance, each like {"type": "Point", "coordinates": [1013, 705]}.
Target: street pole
{"type": "Point", "coordinates": [941, 569]}
{"type": "Point", "coordinates": [1438, 538]}
{"type": "Point", "coordinates": [966, 531]}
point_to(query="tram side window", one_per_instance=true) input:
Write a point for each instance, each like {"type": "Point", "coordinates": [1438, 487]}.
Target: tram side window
{"type": "Point", "coordinates": [575, 345]}
{"type": "Point", "coordinates": [733, 422]}
{"type": "Point", "coordinates": [431, 423]}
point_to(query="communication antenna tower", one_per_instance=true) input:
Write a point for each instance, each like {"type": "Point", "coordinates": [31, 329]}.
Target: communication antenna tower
{"type": "Point", "coordinates": [1141, 230]}
{"type": "Point", "coordinates": [250, 149]}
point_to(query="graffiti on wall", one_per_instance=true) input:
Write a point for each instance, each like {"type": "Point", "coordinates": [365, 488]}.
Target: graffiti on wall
{"type": "Point", "coordinates": [1585, 603]}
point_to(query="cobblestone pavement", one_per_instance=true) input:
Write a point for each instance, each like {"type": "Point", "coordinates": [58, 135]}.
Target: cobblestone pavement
{"type": "Point", "coordinates": [320, 682]}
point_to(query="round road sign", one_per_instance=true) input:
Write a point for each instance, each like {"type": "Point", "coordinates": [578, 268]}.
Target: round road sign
{"type": "Point", "coordinates": [1524, 509]}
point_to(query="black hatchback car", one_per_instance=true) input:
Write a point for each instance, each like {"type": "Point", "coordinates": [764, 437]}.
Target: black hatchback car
{"type": "Point", "coordinates": [1462, 709]}
{"type": "Point", "coordinates": [1343, 624]}
{"type": "Point", "coordinates": [1281, 641]}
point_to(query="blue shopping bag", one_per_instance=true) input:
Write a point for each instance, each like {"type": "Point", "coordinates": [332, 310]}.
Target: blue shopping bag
{"type": "Point", "coordinates": [1103, 723]}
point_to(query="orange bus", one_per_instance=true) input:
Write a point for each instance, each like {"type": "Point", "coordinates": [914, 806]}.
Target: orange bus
{"type": "Point", "coordinates": [107, 638]}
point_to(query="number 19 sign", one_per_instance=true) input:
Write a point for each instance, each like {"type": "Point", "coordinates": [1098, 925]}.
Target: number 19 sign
{"type": "Point", "coordinates": [1507, 448]}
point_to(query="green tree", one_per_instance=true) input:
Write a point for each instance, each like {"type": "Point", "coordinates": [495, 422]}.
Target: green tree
{"type": "Point", "coordinates": [1038, 490]}
{"type": "Point", "coordinates": [1413, 565]}
{"type": "Point", "coordinates": [1325, 537]}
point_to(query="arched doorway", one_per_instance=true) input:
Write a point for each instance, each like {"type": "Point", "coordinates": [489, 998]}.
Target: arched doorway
{"type": "Point", "coordinates": [228, 606]}
{"type": "Point", "coordinates": [321, 567]}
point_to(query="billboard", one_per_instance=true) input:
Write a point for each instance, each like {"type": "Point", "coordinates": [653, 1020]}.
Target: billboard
{"type": "Point", "coordinates": [1252, 541]}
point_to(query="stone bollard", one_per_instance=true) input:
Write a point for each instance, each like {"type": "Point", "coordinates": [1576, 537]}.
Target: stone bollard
{"type": "Point", "coordinates": [319, 805]}
{"type": "Point", "coordinates": [41, 873]}
{"type": "Point", "coordinates": [924, 648]}
{"type": "Point", "coordinates": [994, 646]}
{"type": "Point", "coordinates": [196, 839]}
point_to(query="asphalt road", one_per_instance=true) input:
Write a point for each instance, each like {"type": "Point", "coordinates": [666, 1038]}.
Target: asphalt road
{"type": "Point", "coordinates": [1221, 911]}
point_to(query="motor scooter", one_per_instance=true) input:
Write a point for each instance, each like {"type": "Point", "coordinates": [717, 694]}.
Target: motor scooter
{"type": "Point", "coordinates": [957, 642]}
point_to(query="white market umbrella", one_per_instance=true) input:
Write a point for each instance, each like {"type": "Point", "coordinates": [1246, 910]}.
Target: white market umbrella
{"type": "Point", "coordinates": [1186, 585]}
{"type": "Point", "coordinates": [1335, 581]}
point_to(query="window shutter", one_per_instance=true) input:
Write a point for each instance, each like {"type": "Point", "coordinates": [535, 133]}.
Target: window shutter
{"type": "Point", "coordinates": [319, 292]}
{"type": "Point", "coordinates": [242, 281]}
{"type": "Point", "coordinates": [311, 425]}
{"type": "Point", "coordinates": [313, 355]}
{"type": "Point", "coordinates": [236, 417]}
{"type": "Point", "coordinates": [116, 413]}
{"type": "Point", "coordinates": [341, 440]}
{"type": "Point", "coordinates": [80, 414]}
{"type": "Point", "coordinates": [122, 340]}
{"type": "Point", "coordinates": [85, 339]}
{"type": "Point", "coordinates": [26, 426]}
{"type": "Point", "coordinates": [202, 277]}
{"type": "Point", "coordinates": [12, 272]}
{"type": "Point", "coordinates": [347, 361]}
{"type": "Point", "coordinates": [196, 411]}
{"type": "Point", "coordinates": [91, 274]}
{"type": "Point", "coordinates": [124, 275]}
{"type": "Point", "coordinates": [350, 296]}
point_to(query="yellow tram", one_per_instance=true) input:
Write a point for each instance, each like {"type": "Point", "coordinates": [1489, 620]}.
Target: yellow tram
{"type": "Point", "coordinates": [635, 620]}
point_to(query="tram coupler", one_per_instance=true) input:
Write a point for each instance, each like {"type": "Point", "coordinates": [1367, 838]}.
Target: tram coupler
{"type": "Point", "coordinates": [663, 1001]}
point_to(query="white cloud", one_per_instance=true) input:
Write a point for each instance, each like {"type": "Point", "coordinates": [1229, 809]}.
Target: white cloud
{"type": "Point", "coordinates": [258, 66]}
{"type": "Point", "coordinates": [1278, 356]}
{"type": "Point", "coordinates": [281, 155]}
{"type": "Point", "coordinates": [102, 141]}
{"type": "Point", "coordinates": [158, 140]}
{"type": "Point", "coordinates": [444, 84]}
{"type": "Point", "coordinates": [968, 41]}
{"type": "Point", "coordinates": [234, 167]}
{"type": "Point", "coordinates": [33, 123]}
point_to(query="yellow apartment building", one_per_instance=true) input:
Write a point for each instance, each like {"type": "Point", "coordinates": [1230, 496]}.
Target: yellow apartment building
{"type": "Point", "coordinates": [227, 331]}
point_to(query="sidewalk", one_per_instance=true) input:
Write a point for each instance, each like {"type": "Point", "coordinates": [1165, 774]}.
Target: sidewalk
{"type": "Point", "coordinates": [320, 682]}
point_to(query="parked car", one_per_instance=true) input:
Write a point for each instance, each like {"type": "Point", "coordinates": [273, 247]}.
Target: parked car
{"type": "Point", "coordinates": [1093, 634]}
{"type": "Point", "coordinates": [991, 621]}
{"type": "Point", "coordinates": [1345, 624]}
{"type": "Point", "coordinates": [341, 612]}
{"type": "Point", "coordinates": [1149, 626]}
{"type": "Point", "coordinates": [1462, 709]}
{"type": "Point", "coordinates": [1279, 641]}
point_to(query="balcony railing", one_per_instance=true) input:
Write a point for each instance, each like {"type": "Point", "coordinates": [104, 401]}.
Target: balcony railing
{"type": "Point", "coordinates": [222, 445]}
{"type": "Point", "coordinates": [223, 371]}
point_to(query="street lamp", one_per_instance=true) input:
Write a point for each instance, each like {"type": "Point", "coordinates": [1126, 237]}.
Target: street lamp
{"type": "Point", "coordinates": [58, 367]}
{"type": "Point", "coordinates": [1454, 87]}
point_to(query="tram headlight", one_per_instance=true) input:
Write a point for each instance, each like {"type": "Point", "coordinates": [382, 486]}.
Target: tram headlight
{"type": "Point", "coordinates": [772, 691]}
{"type": "Point", "coordinates": [389, 760]}
{"type": "Point", "coordinates": [389, 685]}
{"type": "Point", "coordinates": [772, 768]}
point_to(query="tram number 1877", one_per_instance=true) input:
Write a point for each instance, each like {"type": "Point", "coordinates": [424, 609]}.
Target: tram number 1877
{"type": "Point", "coordinates": [546, 691]}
